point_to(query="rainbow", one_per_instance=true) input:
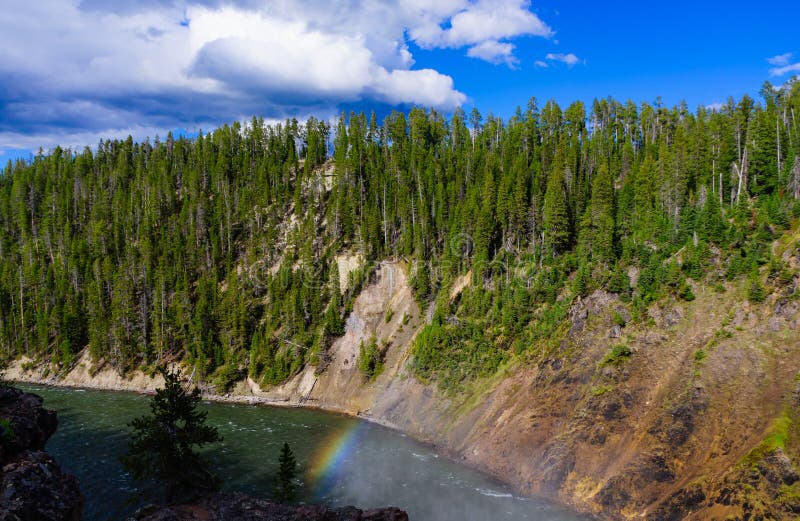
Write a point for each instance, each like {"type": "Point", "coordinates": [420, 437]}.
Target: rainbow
{"type": "Point", "coordinates": [328, 458]}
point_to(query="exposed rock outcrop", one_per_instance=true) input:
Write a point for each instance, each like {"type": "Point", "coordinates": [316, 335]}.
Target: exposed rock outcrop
{"type": "Point", "coordinates": [239, 507]}
{"type": "Point", "coordinates": [658, 430]}
{"type": "Point", "coordinates": [32, 485]}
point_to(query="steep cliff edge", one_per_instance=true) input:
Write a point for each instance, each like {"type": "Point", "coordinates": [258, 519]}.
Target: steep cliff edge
{"type": "Point", "coordinates": [32, 483]}
{"type": "Point", "coordinates": [689, 412]}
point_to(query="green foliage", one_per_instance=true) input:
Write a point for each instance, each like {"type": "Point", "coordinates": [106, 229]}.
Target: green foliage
{"type": "Point", "coordinates": [287, 472]}
{"type": "Point", "coordinates": [617, 319]}
{"type": "Point", "coordinates": [581, 282]}
{"type": "Point", "coordinates": [225, 377]}
{"type": "Point", "coordinates": [221, 249]}
{"type": "Point", "coordinates": [695, 260]}
{"type": "Point", "coordinates": [619, 283]}
{"type": "Point", "coordinates": [597, 234]}
{"type": "Point", "coordinates": [557, 228]}
{"type": "Point", "coordinates": [421, 281]}
{"type": "Point", "coordinates": [685, 292]}
{"type": "Point", "coordinates": [162, 445]}
{"type": "Point", "coordinates": [6, 432]}
{"type": "Point", "coordinates": [756, 292]}
{"type": "Point", "coordinates": [370, 358]}
{"type": "Point", "coordinates": [776, 438]}
{"type": "Point", "coordinates": [455, 355]}
{"type": "Point", "coordinates": [651, 279]}
{"type": "Point", "coordinates": [619, 354]}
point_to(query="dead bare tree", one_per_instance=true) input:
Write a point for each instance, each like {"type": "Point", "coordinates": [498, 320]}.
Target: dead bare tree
{"type": "Point", "coordinates": [739, 175]}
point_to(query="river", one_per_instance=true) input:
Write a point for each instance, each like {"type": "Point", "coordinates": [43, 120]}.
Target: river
{"type": "Point", "coordinates": [343, 460]}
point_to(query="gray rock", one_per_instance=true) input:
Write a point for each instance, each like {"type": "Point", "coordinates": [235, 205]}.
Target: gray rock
{"type": "Point", "coordinates": [33, 486]}
{"type": "Point", "coordinates": [239, 507]}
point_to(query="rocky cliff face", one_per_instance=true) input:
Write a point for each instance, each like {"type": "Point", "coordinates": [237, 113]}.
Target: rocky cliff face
{"type": "Point", "coordinates": [33, 486]}
{"type": "Point", "coordinates": [238, 507]}
{"type": "Point", "coordinates": [698, 417]}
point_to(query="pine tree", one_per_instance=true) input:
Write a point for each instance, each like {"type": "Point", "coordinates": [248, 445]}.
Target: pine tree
{"type": "Point", "coordinates": [162, 443]}
{"type": "Point", "coordinates": [287, 471]}
{"type": "Point", "coordinates": [557, 233]}
{"type": "Point", "coordinates": [597, 233]}
{"type": "Point", "coordinates": [711, 224]}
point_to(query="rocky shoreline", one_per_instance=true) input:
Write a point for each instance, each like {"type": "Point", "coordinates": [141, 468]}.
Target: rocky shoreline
{"type": "Point", "coordinates": [34, 488]}
{"type": "Point", "coordinates": [240, 507]}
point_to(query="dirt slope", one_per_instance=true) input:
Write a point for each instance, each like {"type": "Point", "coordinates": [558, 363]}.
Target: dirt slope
{"type": "Point", "coordinates": [696, 422]}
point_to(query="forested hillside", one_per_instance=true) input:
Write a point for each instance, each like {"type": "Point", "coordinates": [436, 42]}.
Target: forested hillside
{"type": "Point", "coordinates": [220, 249]}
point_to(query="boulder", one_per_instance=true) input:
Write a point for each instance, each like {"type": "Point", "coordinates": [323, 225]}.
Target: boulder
{"type": "Point", "coordinates": [32, 485]}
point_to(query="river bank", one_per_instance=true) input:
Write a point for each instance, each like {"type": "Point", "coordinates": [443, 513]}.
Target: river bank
{"type": "Point", "coordinates": [675, 429]}
{"type": "Point", "coordinates": [341, 460]}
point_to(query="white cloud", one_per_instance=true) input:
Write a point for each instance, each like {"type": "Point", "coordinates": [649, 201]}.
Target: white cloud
{"type": "Point", "coordinates": [541, 64]}
{"type": "Point", "coordinates": [783, 65]}
{"type": "Point", "coordinates": [493, 51]}
{"type": "Point", "coordinates": [782, 71]}
{"type": "Point", "coordinates": [481, 21]}
{"type": "Point", "coordinates": [90, 68]}
{"type": "Point", "coordinates": [716, 106]}
{"type": "Point", "coordinates": [569, 59]}
{"type": "Point", "coordinates": [430, 88]}
{"type": "Point", "coordinates": [780, 60]}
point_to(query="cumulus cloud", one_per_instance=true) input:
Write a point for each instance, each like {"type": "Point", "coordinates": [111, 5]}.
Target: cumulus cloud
{"type": "Point", "coordinates": [75, 70]}
{"type": "Point", "coordinates": [493, 51]}
{"type": "Point", "coordinates": [568, 59]}
{"type": "Point", "coordinates": [482, 21]}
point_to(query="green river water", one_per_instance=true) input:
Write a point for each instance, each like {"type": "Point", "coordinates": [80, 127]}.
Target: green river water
{"type": "Point", "coordinates": [343, 461]}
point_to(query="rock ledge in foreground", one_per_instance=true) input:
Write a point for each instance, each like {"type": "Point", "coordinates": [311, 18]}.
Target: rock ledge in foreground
{"type": "Point", "coordinates": [239, 507]}
{"type": "Point", "coordinates": [32, 485]}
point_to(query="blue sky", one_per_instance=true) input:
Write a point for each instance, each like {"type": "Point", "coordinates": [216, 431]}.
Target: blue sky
{"type": "Point", "coordinates": [74, 71]}
{"type": "Point", "coordinates": [701, 52]}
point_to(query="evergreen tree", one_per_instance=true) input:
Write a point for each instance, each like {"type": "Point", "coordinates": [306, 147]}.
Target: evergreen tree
{"type": "Point", "coordinates": [597, 233]}
{"type": "Point", "coordinates": [162, 446]}
{"type": "Point", "coordinates": [164, 250]}
{"type": "Point", "coordinates": [711, 224]}
{"type": "Point", "coordinates": [287, 471]}
{"type": "Point", "coordinates": [557, 232]}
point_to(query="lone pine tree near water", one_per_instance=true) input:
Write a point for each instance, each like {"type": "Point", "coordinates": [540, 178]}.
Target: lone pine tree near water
{"type": "Point", "coordinates": [163, 443]}
{"type": "Point", "coordinates": [287, 471]}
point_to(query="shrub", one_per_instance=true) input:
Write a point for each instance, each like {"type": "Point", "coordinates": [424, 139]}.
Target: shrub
{"type": "Point", "coordinates": [755, 291]}
{"type": "Point", "coordinates": [617, 318]}
{"type": "Point", "coordinates": [619, 354]}
{"type": "Point", "coordinates": [224, 378]}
